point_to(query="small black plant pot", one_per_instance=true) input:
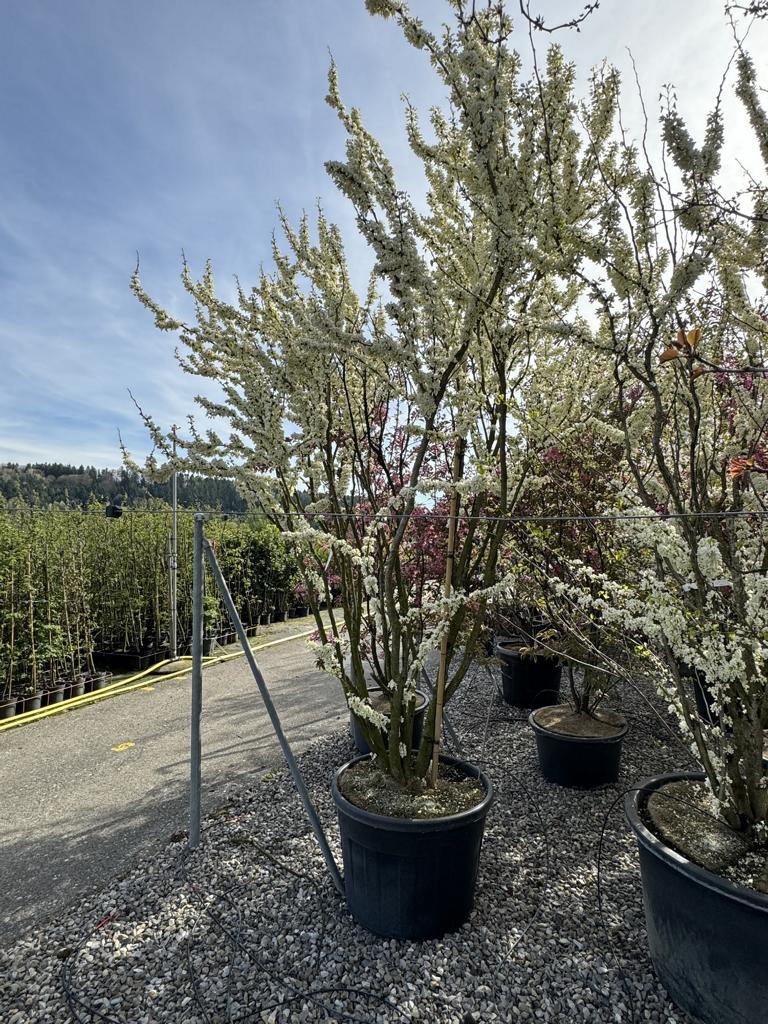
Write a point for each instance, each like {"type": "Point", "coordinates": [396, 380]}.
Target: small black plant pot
{"type": "Point", "coordinates": [32, 702]}
{"type": "Point", "coordinates": [422, 703]}
{"type": "Point", "coordinates": [707, 936]}
{"type": "Point", "coordinates": [527, 682]}
{"type": "Point", "coordinates": [99, 680]}
{"type": "Point", "coordinates": [579, 761]}
{"type": "Point", "coordinates": [8, 708]}
{"type": "Point", "coordinates": [408, 878]}
{"type": "Point", "coordinates": [56, 694]}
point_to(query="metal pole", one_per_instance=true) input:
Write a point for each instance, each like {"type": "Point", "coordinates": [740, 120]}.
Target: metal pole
{"type": "Point", "coordinates": [197, 684]}
{"type": "Point", "coordinates": [306, 800]}
{"type": "Point", "coordinates": [174, 554]}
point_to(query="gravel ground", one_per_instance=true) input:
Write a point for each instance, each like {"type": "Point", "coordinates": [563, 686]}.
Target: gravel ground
{"type": "Point", "coordinates": [249, 927]}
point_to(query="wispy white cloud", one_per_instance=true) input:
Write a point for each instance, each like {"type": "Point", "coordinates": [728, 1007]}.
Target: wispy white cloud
{"type": "Point", "coordinates": [157, 127]}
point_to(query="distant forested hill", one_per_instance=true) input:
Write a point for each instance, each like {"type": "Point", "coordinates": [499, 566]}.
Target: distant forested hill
{"type": "Point", "coordinates": [46, 482]}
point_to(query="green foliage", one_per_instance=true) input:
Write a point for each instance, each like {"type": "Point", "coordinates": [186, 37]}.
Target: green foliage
{"type": "Point", "coordinates": [46, 483]}
{"type": "Point", "coordinates": [73, 582]}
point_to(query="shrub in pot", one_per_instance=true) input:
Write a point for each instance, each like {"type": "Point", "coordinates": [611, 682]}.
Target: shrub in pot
{"type": "Point", "coordinates": [578, 742]}
{"type": "Point", "coordinates": [684, 352]}
{"type": "Point", "coordinates": [356, 422]}
{"type": "Point", "coordinates": [530, 672]}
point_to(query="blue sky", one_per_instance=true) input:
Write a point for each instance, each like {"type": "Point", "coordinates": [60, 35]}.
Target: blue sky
{"type": "Point", "coordinates": [161, 125]}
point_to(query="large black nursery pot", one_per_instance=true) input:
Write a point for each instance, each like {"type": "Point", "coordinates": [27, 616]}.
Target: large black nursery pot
{"type": "Point", "coordinates": [708, 937]}
{"type": "Point", "coordinates": [578, 761]}
{"type": "Point", "coordinates": [422, 702]}
{"type": "Point", "coordinates": [408, 878]}
{"type": "Point", "coordinates": [527, 682]}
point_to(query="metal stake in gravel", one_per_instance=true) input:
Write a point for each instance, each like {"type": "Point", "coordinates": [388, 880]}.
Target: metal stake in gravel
{"type": "Point", "coordinates": [197, 684]}
{"type": "Point", "coordinates": [203, 547]}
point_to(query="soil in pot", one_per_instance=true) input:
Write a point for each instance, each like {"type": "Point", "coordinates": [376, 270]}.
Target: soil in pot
{"type": "Point", "coordinates": [367, 786]}
{"type": "Point", "coordinates": [405, 876]}
{"type": "Point", "coordinates": [381, 702]}
{"type": "Point", "coordinates": [527, 681]}
{"type": "Point", "coordinates": [578, 749]}
{"type": "Point", "coordinates": [707, 925]}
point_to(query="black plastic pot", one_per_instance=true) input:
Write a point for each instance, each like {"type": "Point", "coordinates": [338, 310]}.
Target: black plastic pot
{"type": "Point", "coordinates": [527, 682]}
{"type": "Point", "coordinates": [8, 708]}
{"type": "Point", "coordinates": [707, 937]}
{"type": "Point", "coordinates": [131, 661]}
{"type": "Point", "coordinates": [77, 689]}
{"type": "Point", "coordinates": [407, 878]}
{"type": "Point", "coordinates": [31, 703]}
{"type": "Point", "coordinates": [418, 725]}
{"type": "Point", "coordinates": [579, 761]}
{"type": "Point", "coordinates": [56, 694]}
{"type": "Point", "coordinates": [98, 681]}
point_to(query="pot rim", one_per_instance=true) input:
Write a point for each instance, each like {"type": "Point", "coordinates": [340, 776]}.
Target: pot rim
{"type": "Point", "coordinates": [512, 650]}
{"type": "Point", "coordinates": [569, 737]}
{"type": "Point", "coordinates": [636, 798]}
{"type": "Point", "coordinates": [393, 824]}
{"type": "Point", "coordinates": [420, 707]}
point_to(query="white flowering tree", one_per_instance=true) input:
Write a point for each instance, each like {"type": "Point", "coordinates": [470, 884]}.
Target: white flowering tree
{"type": "Point", "coordinates": [677, 281]}
{"type": "Point", "coordinates": [354, 420]}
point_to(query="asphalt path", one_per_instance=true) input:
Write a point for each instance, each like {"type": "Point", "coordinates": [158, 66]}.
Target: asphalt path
{"type": "Point", "coordinates": [85, 794]}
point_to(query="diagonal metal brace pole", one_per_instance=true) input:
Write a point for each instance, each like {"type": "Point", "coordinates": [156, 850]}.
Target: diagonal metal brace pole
{"type": "Point", "coordinates": [306, 800]}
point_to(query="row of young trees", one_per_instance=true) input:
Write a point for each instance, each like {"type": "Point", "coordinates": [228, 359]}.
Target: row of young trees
{"type": "Point", "coordinates": [46, 483]}
{"type": "Point", "coordinates": [74, 583]}
{"type": "Point", "coordinates": [562, 329]}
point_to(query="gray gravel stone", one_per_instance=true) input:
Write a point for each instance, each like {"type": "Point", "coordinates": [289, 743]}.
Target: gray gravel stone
{"type": "Point", "coordinates": [249, 928]}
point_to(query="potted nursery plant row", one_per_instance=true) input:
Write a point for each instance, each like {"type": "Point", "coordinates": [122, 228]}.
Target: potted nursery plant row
{"type": "Point", "coordinates": [80, 593]}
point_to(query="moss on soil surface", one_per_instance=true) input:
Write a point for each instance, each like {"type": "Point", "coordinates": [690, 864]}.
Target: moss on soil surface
{"type": "Point", "coordinates": [680, 814]}
{"type": "Point", "coordinates": [367, 786]}
{"type": "Point", "coordinates": [563, 719]}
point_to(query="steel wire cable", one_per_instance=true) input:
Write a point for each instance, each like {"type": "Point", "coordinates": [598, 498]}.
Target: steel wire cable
{"type": "Point", "coordinates": [397, 516]}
